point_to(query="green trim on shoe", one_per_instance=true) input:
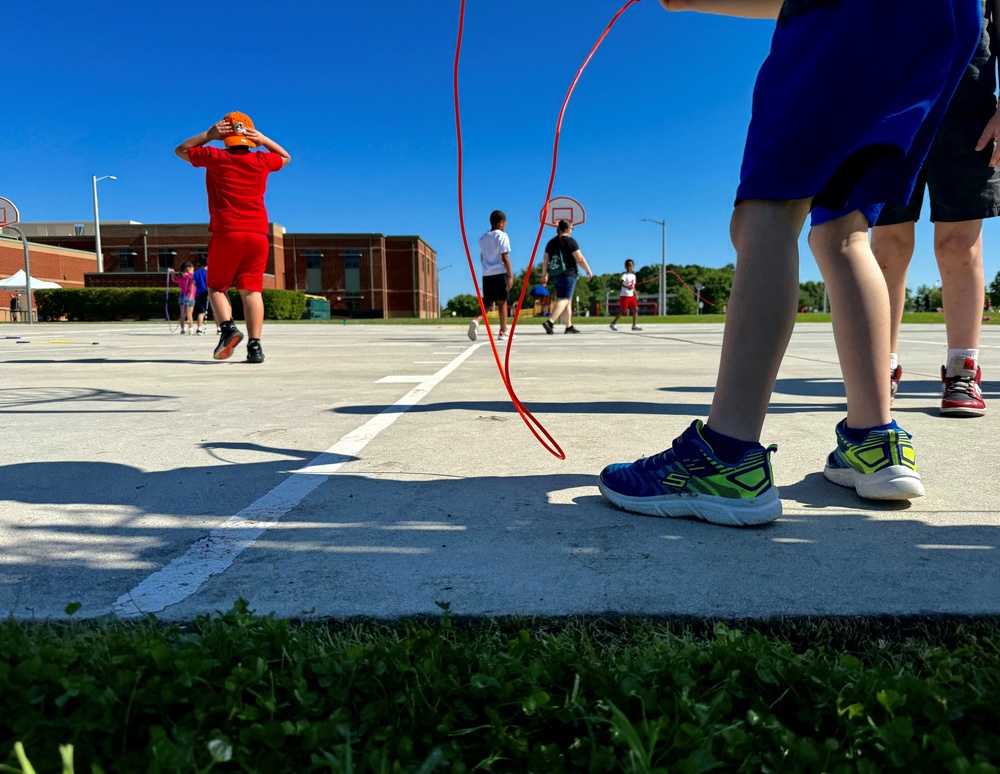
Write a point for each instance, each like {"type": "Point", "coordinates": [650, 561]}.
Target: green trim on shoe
{"type": "Point", "coordinates": [881, 467]}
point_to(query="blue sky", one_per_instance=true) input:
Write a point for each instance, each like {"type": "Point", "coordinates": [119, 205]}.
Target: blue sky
{"type": "Point", "coordinates": [361, 96]}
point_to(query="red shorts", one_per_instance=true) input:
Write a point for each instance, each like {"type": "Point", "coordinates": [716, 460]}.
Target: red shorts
{"type": "Point", "coordinates": [237, 258]}
{"type": "Point", "coordinates": [627, 302]}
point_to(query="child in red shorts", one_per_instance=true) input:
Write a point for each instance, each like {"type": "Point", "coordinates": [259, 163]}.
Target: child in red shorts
{"type": "Point", "coordinates": [236, 178]}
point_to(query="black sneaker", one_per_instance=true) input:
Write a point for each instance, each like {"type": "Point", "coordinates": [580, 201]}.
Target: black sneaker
{"type": "Point", "coordinates": [229, 339]}
{"type": "Point", "coordinates": [547, 324]}
{"type": "Point", "coordinates": [254, 352]}
{"type": "Point", "coordinates": [571, 329]}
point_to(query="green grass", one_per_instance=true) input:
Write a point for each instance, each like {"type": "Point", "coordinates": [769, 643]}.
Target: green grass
{"type": "Point", "coordinates": [510, 695]}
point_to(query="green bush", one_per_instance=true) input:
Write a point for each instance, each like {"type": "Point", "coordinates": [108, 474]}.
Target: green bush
{"type": "Point", "coordinates": [284, 304]}
{"type": "Point", "coordinates": [103, 304]}
{"type": "Point", "coordinates": [109, 304]}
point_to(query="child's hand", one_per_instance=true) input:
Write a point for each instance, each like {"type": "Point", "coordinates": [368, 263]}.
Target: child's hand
{"type": "Point", "coordinates": [220, 130]}
{"type": "Point", "coordinates": [254, 136]}
{"type": "Point", "coordinates": [990, 134]}
{"type": "Point", "coordinates": [170, 271]}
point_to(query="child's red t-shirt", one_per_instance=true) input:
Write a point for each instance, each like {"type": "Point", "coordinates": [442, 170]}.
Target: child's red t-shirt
{"type": "Point", "coordinates": [236, 183]}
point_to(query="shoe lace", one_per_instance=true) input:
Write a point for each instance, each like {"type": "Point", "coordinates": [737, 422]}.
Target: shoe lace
{"type": "Point", "coordinates": [965, 384]}
{"type": "Point", "coordinates": [659, 460]}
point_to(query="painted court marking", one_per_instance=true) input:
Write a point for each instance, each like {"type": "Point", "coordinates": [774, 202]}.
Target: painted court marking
{"type": "Point", "coordinates": [214, 553]}
{"type": "Point", "coordinates": [401, 379]}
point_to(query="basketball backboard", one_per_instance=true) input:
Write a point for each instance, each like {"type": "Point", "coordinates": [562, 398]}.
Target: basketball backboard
{"type": "Point", "coordinates": [564, 208]}
{"type": "Point", "coordinates": [8, 213]}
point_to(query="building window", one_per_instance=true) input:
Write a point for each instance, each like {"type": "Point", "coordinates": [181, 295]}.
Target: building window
{"type": "Point", "coordinates": [126, 260]}
{"type": "Point", "coordinates": [352, 273]}
{"type": "Point", "coordinates": [314, 271]}
{"type": "Point", "coordinates": [199, 253]}
{"type": "Point", "coordinates": [166, 259]}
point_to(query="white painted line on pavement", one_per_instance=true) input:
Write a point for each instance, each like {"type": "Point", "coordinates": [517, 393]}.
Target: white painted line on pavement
{"type": "Point", "coordinates": [401, 379]}
{"type": "Point", "coordinates": [214, 553]}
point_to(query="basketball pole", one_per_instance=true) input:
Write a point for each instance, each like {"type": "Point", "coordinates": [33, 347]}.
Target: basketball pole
{"type": "Point", "coordinates": [27, 269]}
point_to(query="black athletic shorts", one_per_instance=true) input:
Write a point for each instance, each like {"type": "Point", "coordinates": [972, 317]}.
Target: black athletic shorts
{"type": "Point", "coordinates": [494, 288]}
{"type": "Point", "coordinates": [960, 181]}
{"type": "Point", "coordinates": [201, 303]}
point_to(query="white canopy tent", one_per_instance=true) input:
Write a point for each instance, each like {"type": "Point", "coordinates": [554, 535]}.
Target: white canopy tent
{"type": "Point", "coordinates": [17, 282]}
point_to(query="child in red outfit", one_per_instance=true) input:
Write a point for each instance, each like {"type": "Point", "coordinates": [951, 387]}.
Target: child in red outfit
{"type": "Point", "coordinates": [236, 179]}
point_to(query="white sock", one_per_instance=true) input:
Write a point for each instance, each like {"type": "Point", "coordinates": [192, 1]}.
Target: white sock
{"type": "Point", "coordinates": [962, 354]}
{"type": "Point", "coordinates": [893, 361]}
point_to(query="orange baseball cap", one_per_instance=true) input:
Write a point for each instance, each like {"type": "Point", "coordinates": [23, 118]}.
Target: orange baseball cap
{"type": "Point", "coordinates": [241, 122]}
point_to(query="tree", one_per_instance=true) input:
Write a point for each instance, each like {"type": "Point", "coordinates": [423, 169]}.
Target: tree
{"type": "Point", "coordinates": [994, 291]}
{"type": "Point", "coordinates": [811, 295]}
{"type": "Point", "coordinates": [464, 305]}
{"type": "Point", "coordinates": [928, 299]}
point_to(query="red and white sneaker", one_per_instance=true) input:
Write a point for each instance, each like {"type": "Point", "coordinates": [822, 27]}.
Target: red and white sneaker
{"type": "Point", "coordinates": [894, 376]}
{"type": "Point", "coordinates": [962, 393]}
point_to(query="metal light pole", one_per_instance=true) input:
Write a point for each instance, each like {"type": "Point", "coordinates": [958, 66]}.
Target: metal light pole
{"type": "Point", "coordinates": [97, 220]}
{"type": "Point", "coordinates": [663, 264]}
{"type": "Point", "coordinates": [697, 302]}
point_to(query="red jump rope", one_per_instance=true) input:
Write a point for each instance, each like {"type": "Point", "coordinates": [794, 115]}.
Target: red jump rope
{"type": "Point", "coordinates": [536, 427]}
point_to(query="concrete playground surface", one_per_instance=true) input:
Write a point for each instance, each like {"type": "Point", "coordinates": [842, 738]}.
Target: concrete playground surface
{"type": "Point", "coordinates": [376, 470]}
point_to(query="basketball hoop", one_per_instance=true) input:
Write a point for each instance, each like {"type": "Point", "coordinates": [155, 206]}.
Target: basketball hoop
{"type": "Point", "coordinates": [564, 208]}
{"type": "Point", "coordinates": [8, 213]}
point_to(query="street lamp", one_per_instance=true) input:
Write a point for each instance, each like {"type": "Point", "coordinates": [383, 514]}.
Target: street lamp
{"type": "Point", "coordinates": [697, 302]}
{"type": "Point", "coordinates": [663, 265]}
{"type": "Point", "coordinates": [97, 220]}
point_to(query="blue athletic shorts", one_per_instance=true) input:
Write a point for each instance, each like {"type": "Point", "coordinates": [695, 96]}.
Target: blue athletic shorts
{"type": "Point", "coordinates": [848, 101]}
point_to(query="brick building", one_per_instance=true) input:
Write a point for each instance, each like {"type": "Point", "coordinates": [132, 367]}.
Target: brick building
{"type": "Point", "coordinates": [362, 275]}
{"type": "Point", "coordinates": [63, 265]}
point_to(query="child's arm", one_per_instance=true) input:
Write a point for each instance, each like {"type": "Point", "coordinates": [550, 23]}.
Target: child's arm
{"type": "Point", "coordinates": [266, 142]}
{"type": "Point", "coordinates": [748, 9]}
{"type": "Point", "coordinates": [215, 132]}
{"type": "Point", "coordinates": [505, 258]}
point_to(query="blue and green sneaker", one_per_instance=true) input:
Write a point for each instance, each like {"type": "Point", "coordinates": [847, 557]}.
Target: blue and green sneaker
{"type": "Point", "coordinates": [881, 467]}
{"type": "Point", "coordinates": [689, 480]}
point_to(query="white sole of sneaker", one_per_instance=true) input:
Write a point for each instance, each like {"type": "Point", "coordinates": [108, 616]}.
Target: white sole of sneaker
{"type": "Point", "coordinates": [962, 412]}
{"type": "Point", "coordinates": [897, 482]}
{"type": "Point", "coordinates": [473, 330]}
{"type": "Point", "coordinates": [717, 510]}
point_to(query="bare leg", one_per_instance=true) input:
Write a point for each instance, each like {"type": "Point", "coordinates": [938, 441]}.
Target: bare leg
{"type": "Point", "coordinates": [222, 310]}
{"type": "Point", "coordinates": [859, 299]}
{"type": "Point", "coordinates": [893, 249]}
{"type": "Point", "coordinates": [567, 314]}
{"type": "Point", "coordinates": [959, 251]}
{"type": "Point", "coordinates": [253, 311]}
{"type": "Point", "coordinates": [761, 313]}
{"type": "Point", "coordinates": [562, 305]}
